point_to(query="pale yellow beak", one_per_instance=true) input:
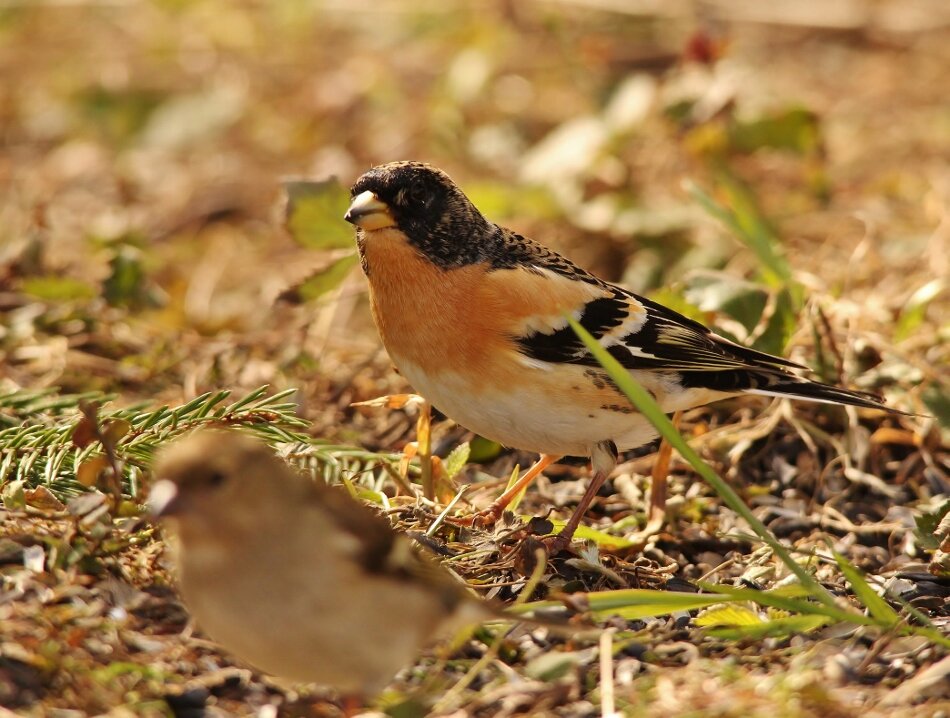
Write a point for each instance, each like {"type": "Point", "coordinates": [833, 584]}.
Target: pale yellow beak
{"type": "Point", "coordinates": [164, 498]}
{"type": "Point", "coordinates": [368, 212]}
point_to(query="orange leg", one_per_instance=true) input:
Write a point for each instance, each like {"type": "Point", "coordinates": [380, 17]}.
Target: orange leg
{"type": "Point", "coordinates": [656, 513]}
{"type": "Point", "coordinates": [490, 515]}
{"type": "Point", "coordinates": [603, 460]}
{"type": "Point", "coordinates": [352, 705]}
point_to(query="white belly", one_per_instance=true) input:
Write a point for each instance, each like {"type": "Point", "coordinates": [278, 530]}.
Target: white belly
{"type": "Point", "coordinates": [524, 418]}
{"type": "Point", "coordinates": [553, 411]}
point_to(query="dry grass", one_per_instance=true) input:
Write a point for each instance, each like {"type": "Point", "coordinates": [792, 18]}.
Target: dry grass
{"type": "Point", "coordinates": [142, 252]}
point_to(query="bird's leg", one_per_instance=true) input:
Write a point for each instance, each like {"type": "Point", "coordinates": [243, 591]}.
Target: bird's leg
{"type": "Point", "coordinates": [658, 479]}
{"type": "Point", "coordinates": [490, 515]}
{"type": "Point", "coordinates": [603, 459]}
{"type": "Point", "coordinates": [352, 704]}
{"type": "Point", "coordinates": [656, 515]}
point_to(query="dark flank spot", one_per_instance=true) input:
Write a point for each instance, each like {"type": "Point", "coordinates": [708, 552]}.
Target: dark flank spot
{"type": "Point", "coordinates": [590, 416]}
{"type": "Point", "coordinates": [620, 408]}
{"type": "Point", "coordinates": [596, 378]}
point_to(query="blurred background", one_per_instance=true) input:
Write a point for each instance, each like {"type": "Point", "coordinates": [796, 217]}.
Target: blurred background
{"type": "Point", "coordinates": [779, 170]}
{"type": "Point", "coordinates": [707, 153]}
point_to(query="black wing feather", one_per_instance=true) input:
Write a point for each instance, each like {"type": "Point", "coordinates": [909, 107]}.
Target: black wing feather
{"type": "Point", "coordinates": [669, 342]}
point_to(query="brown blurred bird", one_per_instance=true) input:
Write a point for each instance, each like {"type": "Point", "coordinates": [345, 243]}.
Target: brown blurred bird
{"type": "Point", "coordinates": [473, 315]}
{"type": "Point", "coordinates": [295, 577]}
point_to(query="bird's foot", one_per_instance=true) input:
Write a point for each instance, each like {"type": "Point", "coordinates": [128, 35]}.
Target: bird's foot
{"type": "Point", "coordinates": [556, 544]}
{"type": "Point", "coordinates": [485, 518]}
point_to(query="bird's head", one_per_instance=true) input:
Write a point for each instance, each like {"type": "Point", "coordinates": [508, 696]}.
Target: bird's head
{"type": "Point", "coordinates": [424, 204]}
{"type": "Point", "coordinates": [208, 473]}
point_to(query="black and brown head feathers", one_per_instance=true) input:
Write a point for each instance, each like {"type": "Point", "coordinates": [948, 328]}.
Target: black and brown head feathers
{"type": "Point", "coordinates": [424, 204]}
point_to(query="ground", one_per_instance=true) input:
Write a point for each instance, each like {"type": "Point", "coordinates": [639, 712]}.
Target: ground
{"type": "Point", "coordinates": [781, 174]}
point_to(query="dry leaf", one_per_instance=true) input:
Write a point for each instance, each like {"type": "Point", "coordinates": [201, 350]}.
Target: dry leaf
{"type": "Point", "coordinates": [393, 401]}
{"type": "Point", "coordinates": [89, 471]}
{"type": "Point", "coordinates": [114, 429]}
{"type": "Point", "coordinates": [42, 498]}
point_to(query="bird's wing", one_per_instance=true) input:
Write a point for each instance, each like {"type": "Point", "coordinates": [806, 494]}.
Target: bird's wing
{"type": "Point", "coordinates": [639, 333]}
{"type": "Point", "coordinates": [643, 335]}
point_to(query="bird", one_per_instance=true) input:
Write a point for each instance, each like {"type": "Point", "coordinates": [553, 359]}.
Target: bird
{"type": "Point", "coordinates": [297, 578]}
{"type": "Point", "coordinates": [474, 316]}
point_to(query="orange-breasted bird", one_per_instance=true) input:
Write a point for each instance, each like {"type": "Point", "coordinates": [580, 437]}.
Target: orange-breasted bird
{"type": "Point", "coordinates": [473, 315]}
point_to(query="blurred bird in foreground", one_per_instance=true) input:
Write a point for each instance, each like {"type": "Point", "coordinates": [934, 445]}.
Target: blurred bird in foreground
{"type": "Point", "coordinates": [297, 578]}
{"type": "Point", "coordinates": [473, 315]}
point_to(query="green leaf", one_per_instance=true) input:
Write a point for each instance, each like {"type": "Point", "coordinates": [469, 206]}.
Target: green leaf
{"type": "Point", "coordinates": [57, 289]}
{"type": "Point", "coordinates": [914, 311]}
{"type": "Point", "coordinates": [773, 628]}
{"type": "Point", "coordinates": [483, 450]}
{"type": "Point", "coordinates": [516, 499]}
{"type": "Point", "coordinates": [787, 598]}
{"type": "Point", "coordinates": [795, 129]}
{"type": "Point", "coordinates": [636, 603]}
{"type": "Point", "coordinates": [315, 214]}
{"type": "Point", "coordinates": [36, 445]}
{"type": "Point", "coordinates": [456, 460]}
{"type": "Point", "coordinates": [937, 399]}
{"type": "Point", "coordinates": [643, 603]}
{"type": "Point", "coordinates": [118, 114]}
{"type": "Point", "coordinates": [498, 200]}
{"type": "Point", "coordinates": [879, 609]}
{"type": "Point", "coordinates": [591, 534]}
{"type": "Point", "coordinates": [321, 281]}
{"type": "Point", "coordinates": [714, 291]}
{"type": "Point", "coordinates": [728, 616]}
{"type": "Point", "coordinates": [781, 324]}
{"type": "Point", "coordinates": [676, 301]}
{"type": "Point", "coordinates": [652, 412]}
{"type": "Point", "coordinates": [126, 284]}
{"type": "Point", "coordinates": [739, 211]}
{"type": "Point", "coordinates": [927, 523]}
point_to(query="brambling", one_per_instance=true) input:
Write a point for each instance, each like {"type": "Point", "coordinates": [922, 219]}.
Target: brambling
{"type": "Point", "coordinates": [473, 315]}
{"type": "Point", "coordinates": [295, 577]}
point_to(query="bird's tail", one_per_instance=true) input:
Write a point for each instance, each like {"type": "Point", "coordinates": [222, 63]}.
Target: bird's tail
{"type": "Point", "coordinates": [794, 387]}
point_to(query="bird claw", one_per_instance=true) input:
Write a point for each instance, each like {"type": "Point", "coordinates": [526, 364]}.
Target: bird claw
{"type": "Point", "coordinates": [555, 544]}
{"type": "Point", "coordinates": [480, 519]}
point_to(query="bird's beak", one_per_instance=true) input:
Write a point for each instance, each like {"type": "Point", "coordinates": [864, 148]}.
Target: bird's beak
{"type": "Point", "coordinates": [368, 212]}
{"type": "Point", "coordinates": [164, 499]}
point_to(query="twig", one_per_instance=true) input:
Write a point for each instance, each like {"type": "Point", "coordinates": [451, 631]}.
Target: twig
{"type": "Point", "coordinates": [607, 703]}
{"type": "Point", "coordinates": [424, 450]}
{"type": "Point", "coordinates": [465, 681]}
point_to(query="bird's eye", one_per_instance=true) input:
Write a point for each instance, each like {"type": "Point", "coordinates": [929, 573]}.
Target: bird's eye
{"type": "Point", "coordinates": [216, 478]}
{"type": "Point", "coordinates": [418, 193]}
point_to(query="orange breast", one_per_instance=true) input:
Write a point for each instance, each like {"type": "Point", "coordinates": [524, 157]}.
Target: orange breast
{"type": "Point", "coordinates": [464, 318]}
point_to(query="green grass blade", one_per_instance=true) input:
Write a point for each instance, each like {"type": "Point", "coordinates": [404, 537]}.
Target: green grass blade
{"type": "Point", "coordinates": [876, 606]}
{"type": "Point", "coordinates": [747, 223]}
{"type": "Point", "coordinates": [778, 598]}
{"type": "Point", "coordinates": [650, 409]}
{"type": "Point", "coordinates": [634, 602]}
{"type": "Point", "coordinates": [772, 628]}
{"type": "Point", "coordinates": [601, 538]}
